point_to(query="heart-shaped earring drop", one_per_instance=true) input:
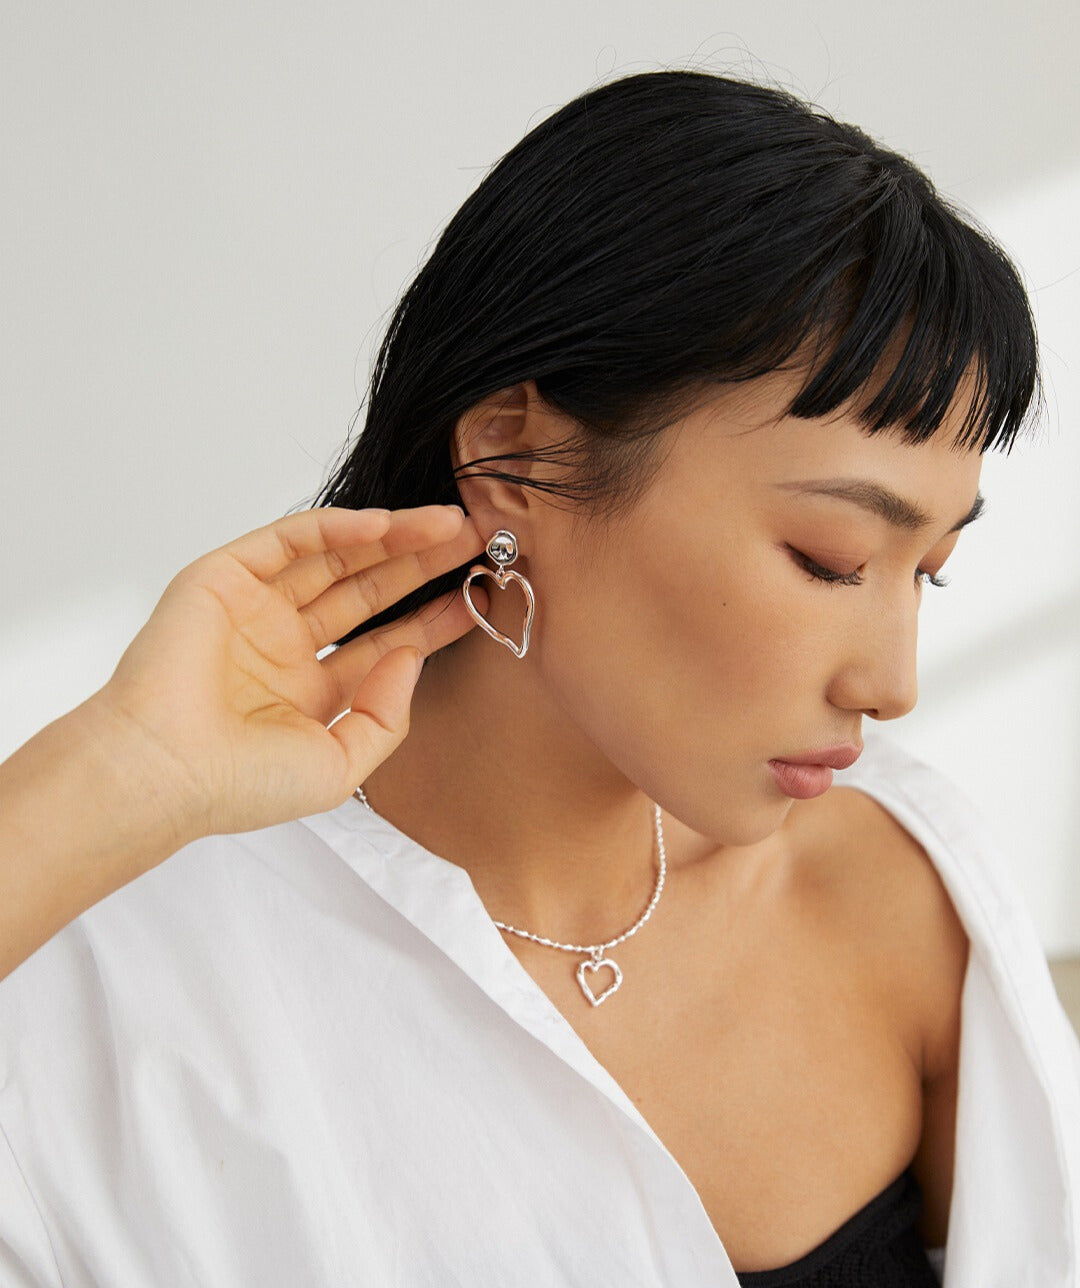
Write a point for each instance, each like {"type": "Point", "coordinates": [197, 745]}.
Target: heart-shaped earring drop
{"type": "Point", "coordinates": [502, 550]}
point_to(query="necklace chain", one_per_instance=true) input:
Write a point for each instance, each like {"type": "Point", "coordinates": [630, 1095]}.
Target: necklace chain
{"type": "Point", "coordinates": [595, 951]}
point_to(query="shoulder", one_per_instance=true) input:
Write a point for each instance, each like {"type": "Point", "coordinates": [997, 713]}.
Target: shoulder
{"type": "Point", "coordinates": [888, 897]}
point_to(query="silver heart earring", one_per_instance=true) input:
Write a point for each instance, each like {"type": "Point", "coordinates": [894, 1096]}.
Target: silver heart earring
{"type": "Point", "coordinates": [502, 550]}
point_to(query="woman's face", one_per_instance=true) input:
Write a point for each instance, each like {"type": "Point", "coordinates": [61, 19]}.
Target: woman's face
{"type": "Point", "coordinates": [689, 641]}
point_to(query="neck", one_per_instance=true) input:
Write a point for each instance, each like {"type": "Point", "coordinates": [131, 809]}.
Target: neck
{"type": "Point", "coordinates": [495, 778]}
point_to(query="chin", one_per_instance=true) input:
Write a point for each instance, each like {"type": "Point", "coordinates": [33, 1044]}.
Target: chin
{"type": "Point", "coordinates": [759, 828]}
{"type": "Point", "coordinates": [742, 824]}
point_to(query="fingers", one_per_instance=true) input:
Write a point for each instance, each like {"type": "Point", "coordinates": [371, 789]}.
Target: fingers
{"type": "Point", "coordinates": [365, 593]}
{"type": "Point", "coordinates": [304, 578]}
{"type": "Point", "coordinates": [438, 623]}
{"type": "Point", "coordinates": [379, 717]}
{"type": "Point", "coordinates": [267, 550]}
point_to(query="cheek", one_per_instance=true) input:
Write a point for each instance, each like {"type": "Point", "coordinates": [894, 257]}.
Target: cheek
{"type": "Point", "coordinates": [645, 641]}
{"type": "Point", "coordinates": [761, 649]}
{"type": "Point", "coordinates": [752, 610]}
{"type": "Point", "coordinates": [686, 675]}
{"type": "Point", "coordinates": [684, 634]}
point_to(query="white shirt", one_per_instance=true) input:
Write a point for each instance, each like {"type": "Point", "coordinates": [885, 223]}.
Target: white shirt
{"type": "Point", "coordinates": [306, 1055]}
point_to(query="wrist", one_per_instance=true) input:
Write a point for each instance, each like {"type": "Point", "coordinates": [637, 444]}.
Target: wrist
{"type": "Point", "coordinates": [80, 816]}
{"type": "Point", "coordinates": [143, 785]}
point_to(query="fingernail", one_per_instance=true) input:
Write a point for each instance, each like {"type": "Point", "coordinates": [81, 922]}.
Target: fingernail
{"type": "Point", "coordinates": [419, 663]}
{"type": "Point", "coordinates": [457, 508]}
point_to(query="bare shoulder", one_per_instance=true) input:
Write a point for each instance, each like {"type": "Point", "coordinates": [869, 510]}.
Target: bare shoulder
{"type": "Point", "coordinates": [882, 891]}
{"type": "Point", "coordinates": [887, 889]}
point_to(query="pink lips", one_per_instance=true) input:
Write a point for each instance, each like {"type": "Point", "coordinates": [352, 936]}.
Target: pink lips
{"type": "Point", "coordinates": [839, 757]}
{"type": "Point", "coordinates": [811, 773]}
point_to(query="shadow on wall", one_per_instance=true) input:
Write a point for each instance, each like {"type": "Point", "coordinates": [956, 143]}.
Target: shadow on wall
{"type": "Point", "coordinates": [1066, 977]}
{"type": "Point", "coordinates": [1020, 642]}
{"type": "Point", "coordinates": [1048, 634]}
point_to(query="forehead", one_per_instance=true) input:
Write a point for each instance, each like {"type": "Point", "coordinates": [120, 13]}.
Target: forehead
{"type": "Point", "coordinates": [738, 440]}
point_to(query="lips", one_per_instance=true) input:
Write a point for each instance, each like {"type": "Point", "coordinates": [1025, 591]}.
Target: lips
{"type": "Point", "coordinates": [841, 756]}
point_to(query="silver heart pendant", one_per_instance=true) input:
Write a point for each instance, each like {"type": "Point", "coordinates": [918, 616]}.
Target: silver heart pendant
{"type": "Point", "coordinates": [502, 578]}
{"type": "Point", "coordinates": [594, 966]}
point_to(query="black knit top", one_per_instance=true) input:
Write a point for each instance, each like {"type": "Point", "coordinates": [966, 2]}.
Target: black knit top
{"type": "Point", "coordinates": [878, 1247]}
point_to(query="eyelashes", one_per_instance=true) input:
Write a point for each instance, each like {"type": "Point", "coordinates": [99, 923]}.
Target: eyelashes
{"type": "Point", "coordinates": [832, 578]}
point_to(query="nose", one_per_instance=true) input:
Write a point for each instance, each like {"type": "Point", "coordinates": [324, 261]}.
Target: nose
{"type": "Point", "coordinates": [879, 674]}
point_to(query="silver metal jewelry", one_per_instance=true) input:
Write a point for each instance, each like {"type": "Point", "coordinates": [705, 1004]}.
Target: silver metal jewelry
{"type": "Point", "coordinates": [502, 550]}
{"type": "Point", "coordinates": [596, 958]}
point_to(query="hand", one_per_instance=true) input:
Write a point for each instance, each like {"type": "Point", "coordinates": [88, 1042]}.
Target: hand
{"type": "Point", "coordinates": [222, 686]}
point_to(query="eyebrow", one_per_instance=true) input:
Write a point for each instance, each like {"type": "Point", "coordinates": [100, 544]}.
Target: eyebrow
{"type": "Point", "coordinates": [880, 500]}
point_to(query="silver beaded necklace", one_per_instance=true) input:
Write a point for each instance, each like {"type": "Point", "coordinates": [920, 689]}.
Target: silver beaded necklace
{"type": "Point", "coordinates": [595, 959]}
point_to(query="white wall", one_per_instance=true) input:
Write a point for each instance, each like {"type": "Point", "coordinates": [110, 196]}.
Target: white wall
{"type": "Point", "coordinates": [209, 211]}
{"type": "Point", "coordinates": [999, 703]}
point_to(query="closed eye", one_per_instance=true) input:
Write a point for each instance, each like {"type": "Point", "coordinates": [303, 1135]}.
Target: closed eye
{"type": "Point", "coordinates": [827, 575]}
{"type": "Point", "coordinates": [831, 577]}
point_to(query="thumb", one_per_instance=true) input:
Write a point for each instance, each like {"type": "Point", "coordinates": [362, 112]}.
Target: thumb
{"type": "Point", "coordinates": [378, 718]}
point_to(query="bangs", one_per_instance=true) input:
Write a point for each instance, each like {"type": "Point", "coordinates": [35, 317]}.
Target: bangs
{"type": "Point", "coordinates": [900, 266]}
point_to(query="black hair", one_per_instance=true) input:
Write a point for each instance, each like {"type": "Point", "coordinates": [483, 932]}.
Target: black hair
{"type": "Point", "coordinates": [674, 229]}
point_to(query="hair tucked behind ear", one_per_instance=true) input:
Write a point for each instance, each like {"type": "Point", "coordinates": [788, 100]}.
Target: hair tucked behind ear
{"type": "Point", "coordinates": [671, 229]}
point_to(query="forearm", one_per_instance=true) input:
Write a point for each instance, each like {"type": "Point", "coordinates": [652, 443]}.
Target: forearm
{"type": "Point", "coordinates": [82, 813]}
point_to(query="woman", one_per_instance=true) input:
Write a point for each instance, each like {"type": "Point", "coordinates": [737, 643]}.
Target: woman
{"type": "Point", "coordinates": [597, 978]}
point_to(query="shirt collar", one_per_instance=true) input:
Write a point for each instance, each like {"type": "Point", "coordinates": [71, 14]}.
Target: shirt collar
{"type": "Point", "coordinates": [438, 897]}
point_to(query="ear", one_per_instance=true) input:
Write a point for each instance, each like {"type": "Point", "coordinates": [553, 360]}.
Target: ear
{"type": "Point", "coordinates": [515, 419]}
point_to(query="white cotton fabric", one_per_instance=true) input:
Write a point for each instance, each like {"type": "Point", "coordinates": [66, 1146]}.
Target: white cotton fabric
{"type": "Point", "coordinates": [306, 1055]}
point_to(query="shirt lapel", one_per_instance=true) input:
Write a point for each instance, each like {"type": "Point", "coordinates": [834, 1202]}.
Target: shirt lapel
{"type": "Point", "coordinates": [440, 900]}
